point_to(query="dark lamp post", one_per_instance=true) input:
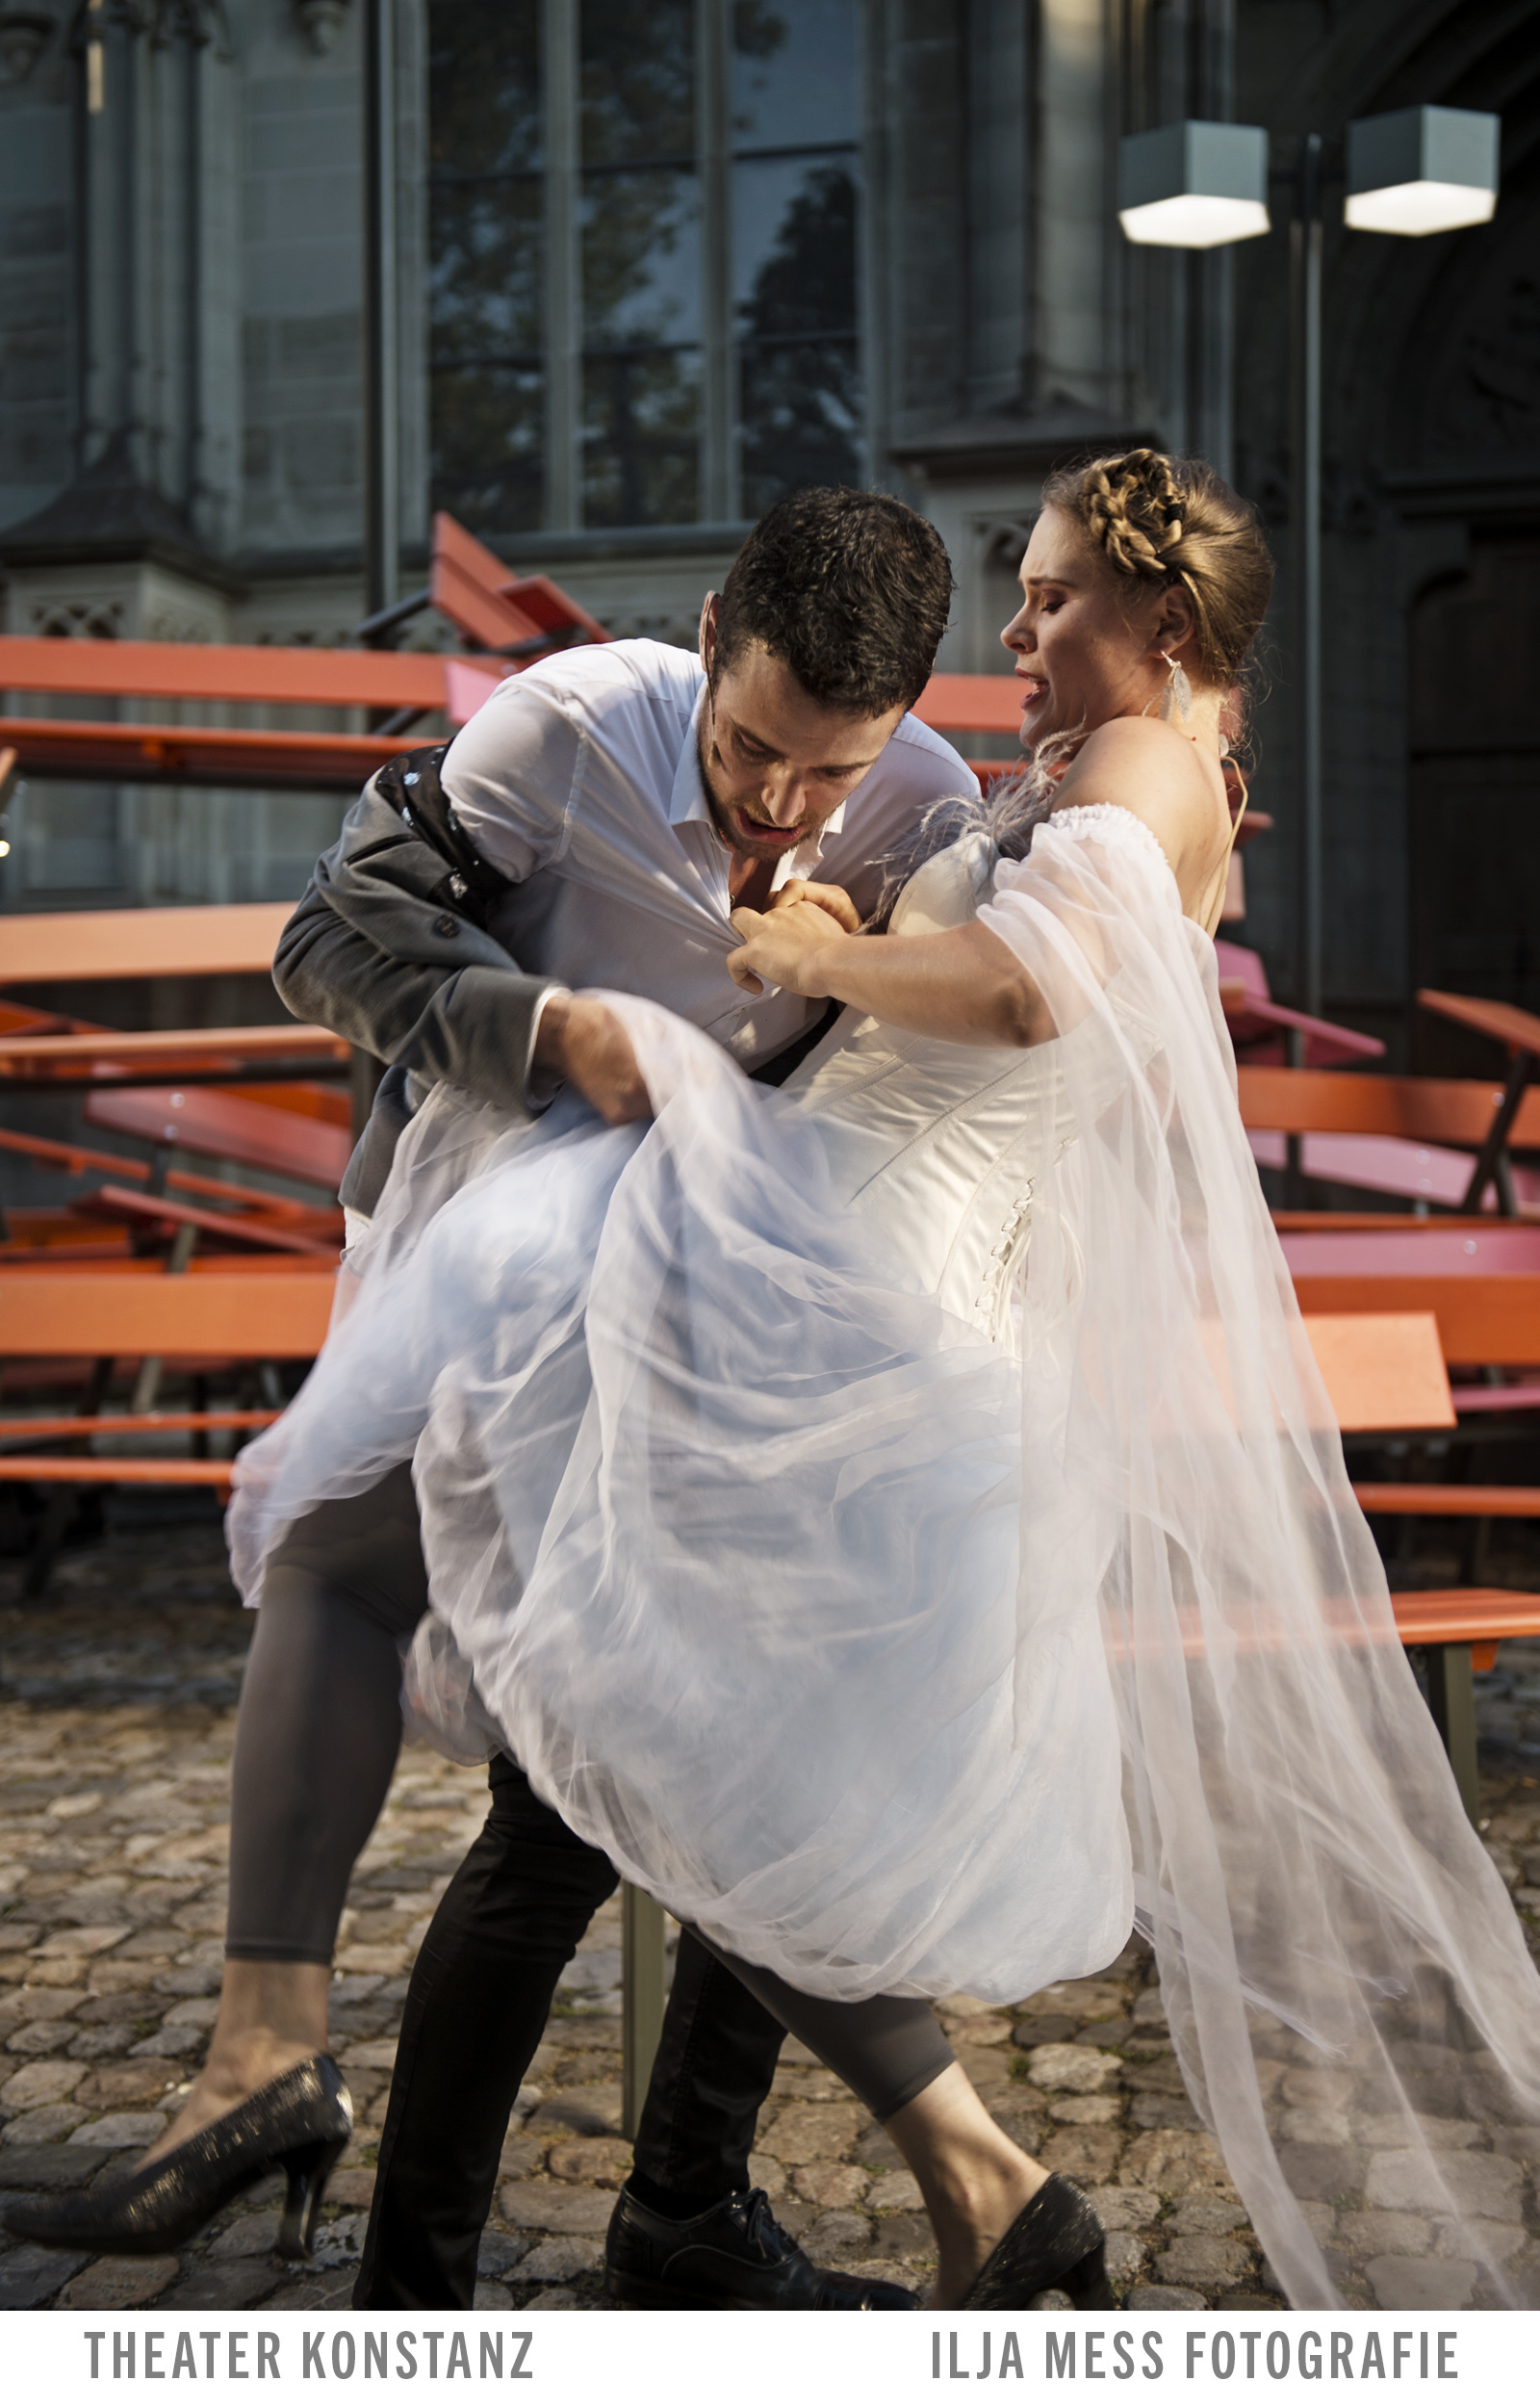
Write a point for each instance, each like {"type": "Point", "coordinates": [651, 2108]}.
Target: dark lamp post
{"type": "Point", "coordinates": [382, 538]}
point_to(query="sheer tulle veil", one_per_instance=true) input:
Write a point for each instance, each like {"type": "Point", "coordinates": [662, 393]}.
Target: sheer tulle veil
{"type": "Point", "coordinates": [789, 1590]}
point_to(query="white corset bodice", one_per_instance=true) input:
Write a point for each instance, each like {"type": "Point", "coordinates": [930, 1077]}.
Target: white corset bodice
{"type": "Point", "coordinates": [939, 1144]}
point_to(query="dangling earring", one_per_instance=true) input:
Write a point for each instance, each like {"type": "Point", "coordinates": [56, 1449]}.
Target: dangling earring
{"type": "Point", "coordinates": [1177, 699]}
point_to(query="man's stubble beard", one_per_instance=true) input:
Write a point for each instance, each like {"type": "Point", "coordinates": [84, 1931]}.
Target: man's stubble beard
{"type": "Point", "coordinates": [749, 850]}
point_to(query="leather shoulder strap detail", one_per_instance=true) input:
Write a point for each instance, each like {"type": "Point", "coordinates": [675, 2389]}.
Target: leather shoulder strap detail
{"type": "Point", "coordinates": [412, 785]}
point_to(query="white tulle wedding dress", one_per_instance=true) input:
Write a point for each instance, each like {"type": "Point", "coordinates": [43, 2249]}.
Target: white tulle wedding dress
{"type": "Point", "coordinates": [912, 1623]}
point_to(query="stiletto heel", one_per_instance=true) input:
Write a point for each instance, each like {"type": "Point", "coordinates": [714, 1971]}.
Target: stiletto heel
{"type": "Point", "coordinates": [308, 2170]}
{"type": "Point", "coordinates": [301, 2122]}
{"type": "Point", "coordinates": [1056, 2242]}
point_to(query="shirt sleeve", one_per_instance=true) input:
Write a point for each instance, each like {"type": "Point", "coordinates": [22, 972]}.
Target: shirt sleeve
{"type": "Point", "coordinates": [509, 776]}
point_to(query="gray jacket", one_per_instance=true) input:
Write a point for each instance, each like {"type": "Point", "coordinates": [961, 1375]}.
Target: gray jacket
{"type": "Point", "coordinates": [388, 946]}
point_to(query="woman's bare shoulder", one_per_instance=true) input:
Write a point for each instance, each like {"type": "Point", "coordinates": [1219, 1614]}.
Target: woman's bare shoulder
{"type": "Point", "coordinates": [1159, 757]}
{"type": "Point", "coordinates": [1160, 775]}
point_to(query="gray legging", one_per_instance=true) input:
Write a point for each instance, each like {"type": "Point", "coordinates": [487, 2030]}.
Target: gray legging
{"type": "Point", "coordinates": [318, 1738]}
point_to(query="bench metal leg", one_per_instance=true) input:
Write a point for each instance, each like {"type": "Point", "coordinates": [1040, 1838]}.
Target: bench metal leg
{"type": "Point", "coordinates": [1451, 1695]}
{"type": "Point", "coordinates": [58, 1513]}
{"type": "Point", "coordinates": [1491, 1162]}
{"type": "Point", "coordinates": [642, 1998]}
{"type": "Point", "coordinates": [61, 1503]}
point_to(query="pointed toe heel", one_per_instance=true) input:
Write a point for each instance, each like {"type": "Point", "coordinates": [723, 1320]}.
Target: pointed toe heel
{"type": "Point", "coordinates": [299, 2123]}
{"type": "Point", "coordinates": [1056, 2243]}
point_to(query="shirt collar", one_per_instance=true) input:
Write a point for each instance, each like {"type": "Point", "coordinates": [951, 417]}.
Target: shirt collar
{"type": "Point", "coordinates": [688, 802]}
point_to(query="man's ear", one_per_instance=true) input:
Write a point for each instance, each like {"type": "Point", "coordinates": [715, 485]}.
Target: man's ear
{"type": "Point", "coordinates": [710, 616]}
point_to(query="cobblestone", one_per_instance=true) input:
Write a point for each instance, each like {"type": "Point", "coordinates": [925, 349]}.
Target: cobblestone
{"type": "Point", "coordinates": [1215, 2264]}
{"type": "Point", "coordinates": [1420, 2284]}
{"type": "Point", "coordinates": [1160, 2298]}
{"type": "Point", "coordinates": [115, 2283]}
{"type": "Point", "coordinates": [117, 1722]}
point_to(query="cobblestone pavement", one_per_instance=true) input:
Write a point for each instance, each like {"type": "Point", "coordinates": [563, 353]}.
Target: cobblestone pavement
{"type": "Point", "coordinates": [116, 1723]}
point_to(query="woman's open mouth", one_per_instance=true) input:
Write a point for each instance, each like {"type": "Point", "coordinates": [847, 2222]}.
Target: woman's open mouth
{"type": "Point", "coordinates": [1033, 688]}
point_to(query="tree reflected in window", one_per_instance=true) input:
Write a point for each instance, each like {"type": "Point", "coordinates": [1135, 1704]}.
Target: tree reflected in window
{"type": "Point", "coordinates": [799, 360]}
{"type": "Point", "coordinates": [641, 264]}
{"type": "Point", "coordinates": [486, 252]}
{"type": "Point", "coordinates": [779, 169]}
{"type": "Point", "coordinates": [796, 118]}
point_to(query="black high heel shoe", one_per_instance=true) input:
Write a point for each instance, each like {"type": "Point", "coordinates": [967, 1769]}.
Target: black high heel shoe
{"type": "Point", "coordinates": [299, 2124]}
{"type": "Point", "coordinates": [1056, 2242]}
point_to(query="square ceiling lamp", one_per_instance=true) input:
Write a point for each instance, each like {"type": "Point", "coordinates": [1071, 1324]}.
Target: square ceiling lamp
{"type": "Point", "coordinates": [1422, 171]}
{"type": "Point", "coordinates": [1194, 185]}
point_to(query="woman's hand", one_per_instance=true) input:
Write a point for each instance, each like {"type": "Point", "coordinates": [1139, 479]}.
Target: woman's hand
{"type": "Point", "coordinates": [790, 945]}
{"type": "Point", "coordinates": [830, 898]}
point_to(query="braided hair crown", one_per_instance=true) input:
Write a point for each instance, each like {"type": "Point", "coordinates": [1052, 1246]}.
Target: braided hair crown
{"type": "Point", "coordinates": [1134, 507]}
{"type": "Point", "coordinates": [1159, 520]}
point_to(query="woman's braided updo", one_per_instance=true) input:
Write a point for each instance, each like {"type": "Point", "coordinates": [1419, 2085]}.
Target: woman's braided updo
{"type": "Point", "coordinates": [1159, 520]}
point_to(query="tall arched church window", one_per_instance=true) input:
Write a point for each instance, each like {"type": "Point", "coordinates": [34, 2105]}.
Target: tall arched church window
{"type": "Point", "coordinates": [645, 219]}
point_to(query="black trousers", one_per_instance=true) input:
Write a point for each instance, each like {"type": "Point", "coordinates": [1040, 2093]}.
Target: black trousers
{"type": "Point", "coordinates": [476, 2011]}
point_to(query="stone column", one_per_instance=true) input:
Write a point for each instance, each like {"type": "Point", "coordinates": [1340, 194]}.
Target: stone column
{"type": "Point", "coordinates": [1074, 352]}
{"type": "Point", "coordinates": [1001, 152]}
{"type": "Point", "coordinates": [146, 159]}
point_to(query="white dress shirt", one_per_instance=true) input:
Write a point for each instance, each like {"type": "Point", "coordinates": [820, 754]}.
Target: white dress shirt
{"type": "Point", "coordinates": [580, 780]}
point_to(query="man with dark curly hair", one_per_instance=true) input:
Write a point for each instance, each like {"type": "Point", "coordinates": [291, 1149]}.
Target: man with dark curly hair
{"type": "Point", "coordinates": [594, 826]}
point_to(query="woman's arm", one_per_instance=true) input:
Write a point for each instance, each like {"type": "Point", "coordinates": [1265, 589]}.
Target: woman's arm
{"type": "Point", "coordinates": [966, 986]}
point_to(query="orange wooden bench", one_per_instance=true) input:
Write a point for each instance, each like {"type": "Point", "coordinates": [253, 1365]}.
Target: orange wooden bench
{"type": "Point", "coordinates": [518, 618]}
{"type": "Point", "coordinates": [1488, 1318]}
{"type": "Point", "coordinates": [1386, 1373]}
{"type": "Point", "coordinates": [512, 619]}
{"type": "Point", "coordinates": [269, 1314]}
{"type": "Point", "coordinates": [74, 1470]}
{"type": "Point", "coordinates": [45, 1428]}
{"type": "Point", "coordinates": [286, 1123]}
{"type": "Point", "coordinates": [1520, 1032]}
{"type": "Point", "coordinates": [1482, 1320]}
{"type": "Point", "coordinates": [52, 1233]}
{"type": "Point", "coordinates": [264, 1130]}
{"type": "Point", "coordinates": [165, 1215]}
{"type": "Point", "coordinates": [1418, 1137]}
{"type": "Point", "coordinates": [213, 940]}
{"type": "Point", "coordinates": [150, 1057]}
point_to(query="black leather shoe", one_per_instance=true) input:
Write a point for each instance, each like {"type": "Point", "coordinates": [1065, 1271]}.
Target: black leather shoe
{"type": "Point", "coordinates": [1056, 2242]}
{"type": "Point", "coordinates": [733, 2255]}
{"type": "Point", "coordinates": [299, 2124]}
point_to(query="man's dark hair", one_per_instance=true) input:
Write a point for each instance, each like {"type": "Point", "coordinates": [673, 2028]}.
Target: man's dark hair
{"type": "Point", "coordinates": [850, 590]}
